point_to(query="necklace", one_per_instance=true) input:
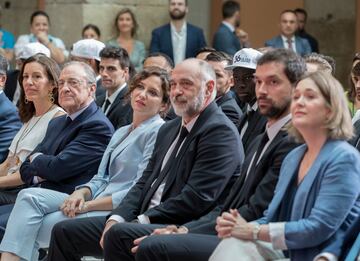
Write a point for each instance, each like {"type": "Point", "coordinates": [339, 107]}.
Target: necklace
{"type": "Point", "coordinates": [15, 158]}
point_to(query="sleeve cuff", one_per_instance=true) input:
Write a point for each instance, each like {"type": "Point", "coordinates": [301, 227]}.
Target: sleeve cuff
{"type": "Point", "coordinates": [143, 219]}
{"type": "Point", "coordinates": [35, 180]}
{"type": "Point", "coordinates": [34, 156]}
{"type": "Point", "coordinates": [116, 218]}
{"type": "Point", "coordinates": [277, 235]}
{"type": "Point", "coordinates": [327, 255]}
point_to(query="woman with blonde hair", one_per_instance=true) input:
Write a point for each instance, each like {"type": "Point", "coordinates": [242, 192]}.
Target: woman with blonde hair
{"type": "Point", "coordinates": [317, 195]}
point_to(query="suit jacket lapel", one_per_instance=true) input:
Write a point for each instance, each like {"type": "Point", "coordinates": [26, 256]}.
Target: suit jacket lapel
{"type": "Point", "coordinates": [194, 131]}
{"type": "Point", "coordinates": [284, 181]}
{"type": "Point", "coordinates": [167, 39]}
{"type": "Point", "coordinates": [303, 188]}
{"type": "Point", "coordinates": [279, 42]}
{"type": "Point", "coordinates": [149, 187]}
{"type": "Point", "coordinates": [119, 98]}
{"type": "Point", "coordinates": [64, 133]}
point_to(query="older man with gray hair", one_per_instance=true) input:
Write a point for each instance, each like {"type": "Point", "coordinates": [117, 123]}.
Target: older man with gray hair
{"type": "Point", "coordinates": [190, 171]}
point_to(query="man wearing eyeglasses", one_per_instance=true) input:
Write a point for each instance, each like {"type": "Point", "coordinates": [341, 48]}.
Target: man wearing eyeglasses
{"type": "Point", "coordinates": [74, 143]}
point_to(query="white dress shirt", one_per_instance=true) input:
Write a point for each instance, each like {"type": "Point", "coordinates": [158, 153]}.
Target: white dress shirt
{"type": "Point", "coordinates": [178, 40]}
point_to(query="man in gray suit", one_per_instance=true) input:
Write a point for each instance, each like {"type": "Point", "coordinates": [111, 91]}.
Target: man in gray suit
{"type": "Point", "coordinates": [287, 38]}
{"type": "Point", "coordinates": [225, 39]}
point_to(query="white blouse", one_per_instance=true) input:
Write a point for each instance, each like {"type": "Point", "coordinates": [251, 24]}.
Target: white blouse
{"type": "Point", "coordinates": [28, 137]}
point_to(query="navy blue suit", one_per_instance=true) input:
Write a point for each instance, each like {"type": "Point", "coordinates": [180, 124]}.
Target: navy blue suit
{"type": "Point", "coordinates": [9, 125]}
{"type": "Point", "coordinates": [302, 45]}
{"type": "Point", "coordinates": [71, 153]}
{"type": "Point", "coordinates": [226, 41]}
{"type": "Point", "coordinates": [161, 40]}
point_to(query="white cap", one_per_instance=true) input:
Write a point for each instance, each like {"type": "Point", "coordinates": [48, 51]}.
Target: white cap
{"type": "Point", "coordinates": [87, 48]}
{"type": "Point", "coordinates": [246, 57]}
{"type": "Point", "coordinates": [31, 49]}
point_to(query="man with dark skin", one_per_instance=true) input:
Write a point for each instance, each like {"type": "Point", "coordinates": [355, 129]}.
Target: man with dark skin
{"type": "Point", "coordinates": [252, 123]}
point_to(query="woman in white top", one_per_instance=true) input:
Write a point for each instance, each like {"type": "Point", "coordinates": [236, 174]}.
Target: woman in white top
{"type": "Point", "coordinates": [38, 105]}
{"type": "Point", "coordinates": [39, 28]}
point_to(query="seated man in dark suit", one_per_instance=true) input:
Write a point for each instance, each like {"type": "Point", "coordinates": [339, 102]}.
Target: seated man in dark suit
{"type": "Point", "coordinates": [225, 39]}
{"type": "Point", "coordinates": [194, 160]}
{"type": "Point", "coordinates": [9, 118]}
{"type": "Point", "coordinates": [252, 123]}
{"type": "Point", "coordinates": [287, 38]}
{"type": "Point", "coordinates": [224, 81]}
{"type": "Point", "coordinates": [178, 39]}
{"type": "Point", "coordinates": [114, 71]}
{"type": "Point", "coordinates": [254, 189]}
{"type": "Point", "coordinates": [73, 146]}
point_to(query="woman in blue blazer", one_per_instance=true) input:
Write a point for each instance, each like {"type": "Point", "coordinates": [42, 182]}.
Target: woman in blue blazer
{"type": "Point", "coordinates": [36, 210]}
{"type": "Point", "coordinates": [317, 195]}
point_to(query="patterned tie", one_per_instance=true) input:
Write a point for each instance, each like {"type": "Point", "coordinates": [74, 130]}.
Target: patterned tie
{"type": "Point", "coordinates": [290, 46]}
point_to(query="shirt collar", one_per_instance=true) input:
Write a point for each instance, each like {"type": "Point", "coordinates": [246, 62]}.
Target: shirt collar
{"type": "Point", "coordinates": [182, 30]}
{"type": "Point", "coordinates": [228, 25]}
{"type": "Point", "coordinates": [273, 130]}
{"type": "Point", "coordinates": [1, 91]}
{"type": "Point", "coordinates": [115, 94]}
{"type": "Point", "coordinates": [254, 107]}
{"type": "Point", "coordinates": [74, 115]}
{"type": "Point", "coordinates": [285, 39]}
{"type": "Point", "coordinates": [190, 124]}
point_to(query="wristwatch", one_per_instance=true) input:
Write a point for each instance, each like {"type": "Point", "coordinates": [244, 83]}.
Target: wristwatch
{"type": "Point", "coordinates": [256, 231]}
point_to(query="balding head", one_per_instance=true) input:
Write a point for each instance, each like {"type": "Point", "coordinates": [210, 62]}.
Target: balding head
{"type": "Point", "coordinates": [193, 87]}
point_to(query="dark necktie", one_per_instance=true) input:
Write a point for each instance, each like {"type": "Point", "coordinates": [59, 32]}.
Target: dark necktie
{"type": "Point", "coordinates": [170, 162]}
{"type": "Point", "coordinates": [68, 121]}
{"type": "Point", "coordinates": [259, 149]}
{"type": "Point", "coordinates": [233, 201]}
{"type": "Point", "coordinates": [169, 167]}
{"type": "Point", "coordinates": [107, 103]}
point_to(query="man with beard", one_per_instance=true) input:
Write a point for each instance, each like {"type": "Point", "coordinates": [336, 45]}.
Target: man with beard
{"type": "Point", "coordinates": [276, 74]}
{"type": "Point", "coordinates": [225, 39]}
{"type": "Point", "coordinates": [252, 123]}
{"type": "Point", "coordinates": [195, 158]}
{"type": "Point", "coordinates": [177, 39]}
{"type": "Point", "coordinates": [301, 15]}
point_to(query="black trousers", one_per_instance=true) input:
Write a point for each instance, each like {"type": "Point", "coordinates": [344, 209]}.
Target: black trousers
{"type": "Point", "coordinates": [119, 241]}
{"type": "Point", "coordinates": [75, 238]}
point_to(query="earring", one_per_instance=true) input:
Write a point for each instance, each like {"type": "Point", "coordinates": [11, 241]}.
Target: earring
{"type": "Point", "coordinates": [51, 97]}
{"type": "Point", "coordinates": [26, 101]}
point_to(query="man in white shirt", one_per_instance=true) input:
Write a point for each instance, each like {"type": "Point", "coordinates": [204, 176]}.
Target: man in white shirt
{"type": "Point", "coordinates": [287, 38]}
{"type": "Point", "coordinates": [177, 39]}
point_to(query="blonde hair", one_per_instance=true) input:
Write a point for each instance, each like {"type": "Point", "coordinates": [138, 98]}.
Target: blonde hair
{"type": "Point", "coordinates": [339, 124]}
